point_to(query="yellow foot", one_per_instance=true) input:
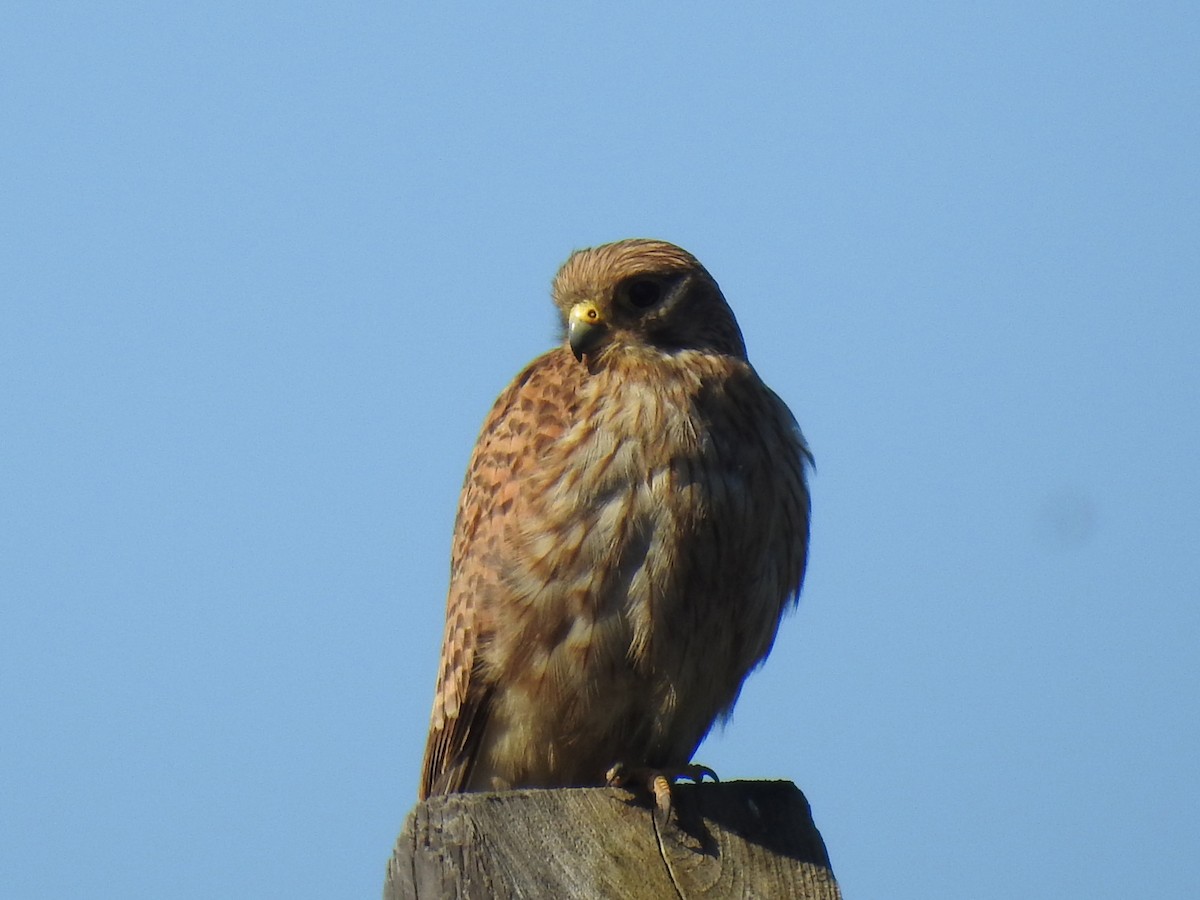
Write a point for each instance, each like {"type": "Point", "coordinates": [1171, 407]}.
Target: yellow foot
{"type": "Point", "coordinates": [657, 781]}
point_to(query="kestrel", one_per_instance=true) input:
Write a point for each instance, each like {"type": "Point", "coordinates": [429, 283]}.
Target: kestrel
{"type": "Point", "coordinates": [633, 525]}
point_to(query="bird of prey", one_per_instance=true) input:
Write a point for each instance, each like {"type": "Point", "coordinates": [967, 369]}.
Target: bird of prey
{"type": "Point", "coordinates": [633, 524]}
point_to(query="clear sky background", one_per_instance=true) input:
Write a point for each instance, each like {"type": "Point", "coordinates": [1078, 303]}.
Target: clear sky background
{"type": "Point", "coordinates": [264, 267]}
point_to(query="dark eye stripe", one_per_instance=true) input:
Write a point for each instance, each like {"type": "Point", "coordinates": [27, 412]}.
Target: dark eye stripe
{"type": "Point", "coordinates": [643, 292]}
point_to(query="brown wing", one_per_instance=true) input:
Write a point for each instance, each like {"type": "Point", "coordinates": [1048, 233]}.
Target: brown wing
{"type": "Point", "coordinates": [524, 417]}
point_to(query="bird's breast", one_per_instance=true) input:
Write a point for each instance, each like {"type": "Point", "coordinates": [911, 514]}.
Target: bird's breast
{"type": "Point", "coordinates": [627, 494]}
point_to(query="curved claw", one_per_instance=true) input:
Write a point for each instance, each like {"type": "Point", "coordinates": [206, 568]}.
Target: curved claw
{"type": "Point", "coordinates": [657, 781]}
{"type": "Point", "coordinates": [698, 773]}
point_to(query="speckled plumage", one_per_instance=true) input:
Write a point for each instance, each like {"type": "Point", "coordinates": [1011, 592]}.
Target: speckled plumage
{"type": "Point", "coordinates": [633, 525]}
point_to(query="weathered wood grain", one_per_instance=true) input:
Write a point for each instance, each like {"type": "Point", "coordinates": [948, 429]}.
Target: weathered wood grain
{"type": "Point", "coordinates": [735, 839]}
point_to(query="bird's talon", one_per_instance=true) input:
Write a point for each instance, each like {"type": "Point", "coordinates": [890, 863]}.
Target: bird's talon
{"type": "Point", "coordinates": [657, 781]}
{"type": "Point", "coordinates": [698, 773]}
{"type": "Point", "coordinates": [662, 796]}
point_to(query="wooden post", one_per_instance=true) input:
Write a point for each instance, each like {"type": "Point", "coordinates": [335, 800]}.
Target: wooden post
{"type": "Point", "coordinates": [734, 839]}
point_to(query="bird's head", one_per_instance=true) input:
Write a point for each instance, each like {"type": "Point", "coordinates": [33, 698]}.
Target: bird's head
{"type": "Point", "coordinates": [639, 295]}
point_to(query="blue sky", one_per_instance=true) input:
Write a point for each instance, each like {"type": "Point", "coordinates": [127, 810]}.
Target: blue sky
{"type": "Point", "coordinates": [265, 267]}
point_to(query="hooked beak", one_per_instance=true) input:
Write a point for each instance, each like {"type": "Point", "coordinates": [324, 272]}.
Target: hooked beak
{"type": "Point", "coordinates": [585, 328]}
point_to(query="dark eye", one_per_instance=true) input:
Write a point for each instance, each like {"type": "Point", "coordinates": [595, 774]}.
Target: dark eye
{"type": "Point", "coordinates": [643, 292]}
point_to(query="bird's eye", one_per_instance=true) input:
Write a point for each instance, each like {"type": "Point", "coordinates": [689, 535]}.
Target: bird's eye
{"type": "Point", "coordinates": [643, 293]}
